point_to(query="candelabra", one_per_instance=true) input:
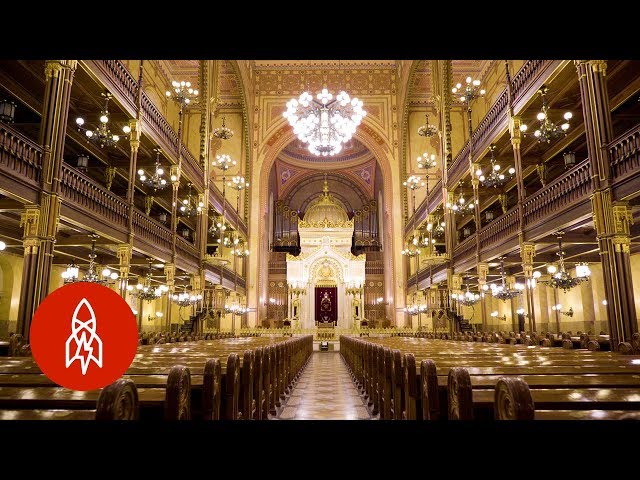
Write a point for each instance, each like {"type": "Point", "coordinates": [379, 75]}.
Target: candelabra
{"type": "Point", "coordinates": [560, 278]}
{"type": "Point", "coordinates": [101, 135]}
{"type": "Point", "coordinates": [156, 179]}
{"type": "Point", "coordinates": [548, 130]}
{"type": "Point", "coordinates": [502, 291]}
{"type": "Point", "coordinates": [494, 178]}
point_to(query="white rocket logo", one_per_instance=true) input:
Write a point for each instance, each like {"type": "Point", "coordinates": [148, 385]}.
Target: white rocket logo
{"type": "Point", "coordinates": [83, 344]}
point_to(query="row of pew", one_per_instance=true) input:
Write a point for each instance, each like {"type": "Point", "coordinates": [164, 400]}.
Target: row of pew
{"type": "Point", "coordinates": [228, 378]}
{"type": "Point", "coordinates": [434, 379]}
{"type": "Point", "coordinates": [176, 337]}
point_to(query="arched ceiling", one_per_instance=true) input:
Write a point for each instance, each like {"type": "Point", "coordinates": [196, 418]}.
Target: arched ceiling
{"type": "Point", "coordinates": [341, 186]}
{"type": "Point", "coordinates": [353, 151]}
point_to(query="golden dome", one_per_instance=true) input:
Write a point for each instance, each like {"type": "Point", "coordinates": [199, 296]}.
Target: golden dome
{"type": "Point", "coordinates": [325, 210]}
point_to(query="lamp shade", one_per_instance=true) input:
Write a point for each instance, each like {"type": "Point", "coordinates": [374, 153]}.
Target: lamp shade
{"type": "Point", "coordinates": [7, 111]}
{"type": "Point", "coordinates": [569, 159]}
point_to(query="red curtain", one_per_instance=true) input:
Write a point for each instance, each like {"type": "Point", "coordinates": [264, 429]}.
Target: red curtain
{"type": "Point", "coordinates": [326, 305]}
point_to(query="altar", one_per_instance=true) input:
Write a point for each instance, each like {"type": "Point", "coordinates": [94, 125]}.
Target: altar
{"type": "Point", "coordinates": [326, 280]}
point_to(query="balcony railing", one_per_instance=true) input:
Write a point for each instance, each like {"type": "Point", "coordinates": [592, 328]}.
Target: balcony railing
{"type": "Point", "coordinates": [121, 79]}
{"type": "Point", "coordinates": [558, 195]}
{"type": "Point", "coordinates": [187, 251]}
{"type": "Point", "coordinates": [624, 153]}
{"type": "Point", "coordinates": [465, 249]}
{"type": "Point", "coordinates": [20, 156]}
{"type": "Point", "coordinates": [83, 191]}
{"type": "Point", "coordinates": [153, 232]}
{"type": "Point", "coordinates": [500, 230]}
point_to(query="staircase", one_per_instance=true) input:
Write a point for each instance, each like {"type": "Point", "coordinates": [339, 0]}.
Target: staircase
{"type": "Point", "coordinates": [187, 326]}
{"type": "Point", "coordinates": [463, 324]}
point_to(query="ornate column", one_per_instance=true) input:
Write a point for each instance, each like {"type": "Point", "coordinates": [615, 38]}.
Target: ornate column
{"type": "Point", "coordinates": [175, 185]}
{"type": "Point", "coordinates": [483, 270]}
{"type": "Point", "coordinates": [205, 127]}
{"type": "Point", "coordinates": [527, 252]}
{"type": "Point", "coordinates": [134, 142]}
{"type": "Point", "coordinates": [124, 256]}
{"type": "Point", "coordinates": [169, 271]}
{"type": "Point", "coordinates": [41, 222]}
{"type": "Point", "coordinates": [612, 219]}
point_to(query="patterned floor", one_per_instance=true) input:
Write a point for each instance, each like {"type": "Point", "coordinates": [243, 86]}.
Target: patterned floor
{"type": "Point", "coordinates": [325, 392]}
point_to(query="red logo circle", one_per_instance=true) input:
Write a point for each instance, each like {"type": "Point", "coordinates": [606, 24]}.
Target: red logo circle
{"type": "Point", "coordinates": [83, 336]}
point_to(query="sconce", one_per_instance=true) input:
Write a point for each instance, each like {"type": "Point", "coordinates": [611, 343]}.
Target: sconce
{"type": "Point", "coordinates": [156, 316]}
{"type": "Point", "coordinates": [558, 308]}
{"type": "Point", "coordinates": [495, 315]}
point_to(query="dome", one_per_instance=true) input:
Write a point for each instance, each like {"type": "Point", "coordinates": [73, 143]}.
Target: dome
{"type": "Point", "coordinates": [325, 210]}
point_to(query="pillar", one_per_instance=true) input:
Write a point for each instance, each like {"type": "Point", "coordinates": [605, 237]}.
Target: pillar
{"type": "Point", "coordinates": [40, 221]}
{"type": "Point", "coordinates": [169, 271]}
{"type": "Point", "coordinates": [483, 270]}
{"type": "Point", "coordinates": [527, 252]}
{"type": "Point", "coordinates": [611, 218]}
{"type": "Point", "coordinates": [124, 258]}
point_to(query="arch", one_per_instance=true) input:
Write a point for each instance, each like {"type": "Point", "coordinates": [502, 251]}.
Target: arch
{"type": "Point", "coordinates": [267, 152]}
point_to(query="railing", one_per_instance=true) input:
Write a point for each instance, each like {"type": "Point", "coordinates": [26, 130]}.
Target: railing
{"type": "Point", "coordinates": [187, 251]}
{"type": "Point", "coordinates": [624, 153]}
{"type": "Point", "coordinates": [500, 230]}
{"type": "Point", "coordinates": [459, 164]}
{"type": "Point", "coordinates": [83, 191]}
{"type": "Point", "coordinates": [153, 232]}
{"type": "Point", "coordinates": [486, 128]}
{"type": "Point", "coordinates": [278, 268]}
{"type": "Point", "coordinates": [465, 249]}
{"type": "Point", "coordinates": [374, 267]}
{"type": "Point", "coordinates": [20, 155]}
{"type": "Point", "coordinates": [429, 204]}
{"type": "Point", "coordinates": [562, 193]}
{"type": "Point", "coordinates": [153, 117]}
{"type": "Point", "coordinates": [120, 78]}
{"type": "Point", "coordinates": [526, 76]}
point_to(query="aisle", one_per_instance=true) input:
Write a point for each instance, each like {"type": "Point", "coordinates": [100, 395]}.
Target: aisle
{"type": "Point", "coordinates": [325, 392]}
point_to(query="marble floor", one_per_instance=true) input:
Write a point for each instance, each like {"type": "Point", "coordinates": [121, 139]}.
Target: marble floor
{"type": "Point", "coordinates": [325, 392]}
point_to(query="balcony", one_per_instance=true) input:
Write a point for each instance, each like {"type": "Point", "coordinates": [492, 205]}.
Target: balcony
{"type": "Point", "coordinates": [624, 158]}
{"type": "Point", "coordinates": [500, 234]}
{"type": "Point", "coordinates": [20, 164]}
{"type": "Point", "coordinates": [151, 236]}
{"type": "Point", "coordinates": [188, 257]}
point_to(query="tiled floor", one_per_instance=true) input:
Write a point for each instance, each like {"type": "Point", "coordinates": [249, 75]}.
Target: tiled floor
{"type": "Point", "coordinates": [325, 392]}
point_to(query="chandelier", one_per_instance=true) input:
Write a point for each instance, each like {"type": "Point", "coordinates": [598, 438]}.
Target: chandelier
{"type": "Point", "coordinates": [414, 183]}
{"type": "Point", "coordinates": [469, 92]}
{"type": "Point", "coordinates": [548, 130]}
{"type": "Point", "coordinates": [461, 206]}
{"type": "Point", "coordinates": [155, 180]}
{"type": "Point", "coordinates": [560, 278]}
{"type": "Point", "coordinates": [184, 299]}
{"type": "Point", "coordinates": [189, 206]}
{"type": "Point", "coordinates": [218, 223]}
{"type": "Point", "coordinates": [101, 135]}
{"type": "Point", "coordinates": [323, 122]}
{"type": "Point", "coordinates": [235, 309]}
{"type": "Point", "coordinates": [238, 183]}
{"type": "Point", "coordinates": [71, 274]}
{"type": "Point", "coordinates": [467, 298]}
{"type": "Point", "coordinates": [145, 291]}
{"type": "Point", "coordinates": [223, 132]}
{"type": "Point", "coordinates": [426, 161]}
{"type": "Point", "coordinates": [415, 309]}
{"type": "Point", "coordinates": [224, 162]}
{"type": "Point", "coordinates": [427, 130]}
{"type": "Point", "coordinates": [494, 178]}
{"type": "Point", "coordinates": [436, 227]}
{"type": "Point", "coordinates": [239, 248]}
{"type": "Point", "coordinates": [182, 93]}
{"type": "Point", "coordinates": [503, 292]}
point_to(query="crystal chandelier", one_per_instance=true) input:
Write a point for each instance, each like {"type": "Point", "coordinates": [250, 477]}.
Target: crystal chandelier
{"type": "Point", "coordinates": [224, 162]}
{"type": "Point", "coordinates": [560, 278]}
{"type": "Point", "coordinates": [71, 274]}
{"type": "Point", "coordinates": [494, 178]}
{"type": "Point", "coordinates": [190, 206]}
{"type": "Point", "coordinates": [467, 298]}
{"type": "Point", "coordinates": [461, 206]}
{"type": "Point", "coordinates": [548, 130]}
{"type": "Point", "coordinates": [223, 132]}
{"type": "Point", "coordinates": [323, 122]}
{"type": "Point", "coordinates": [427, 130]}
{"type": "Point", "coordinates": [182, 93]}
{"type": "Point", "coordinates": [155, 180]}
{"type": "Point", "coordinates": [146, 291]}
{"type": "Point", "coordinates": [436, 227]}
{"type": "Point", "coordinates": [503, 292]}
{"type": "Point", "coordinates": [184, 299]}
{"type": "Point", "coordinates": [101, 135]}
{"type": "Point", "coordinates": [414, 183]}
{"type": "Point", "coordinates": [238, 183]}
